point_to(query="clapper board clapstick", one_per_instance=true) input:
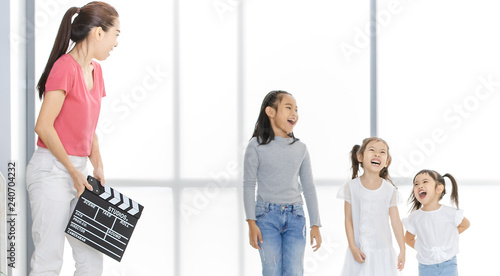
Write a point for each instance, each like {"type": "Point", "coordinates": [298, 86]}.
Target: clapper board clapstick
{"type": "Point", "coordinates": [104, 219]}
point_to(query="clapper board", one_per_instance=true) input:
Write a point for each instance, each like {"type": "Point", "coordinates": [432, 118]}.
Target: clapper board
{"type": "Point", "coordinates": [104, 219]}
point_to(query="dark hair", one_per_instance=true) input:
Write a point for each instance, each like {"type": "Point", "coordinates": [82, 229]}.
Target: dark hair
{"type": "Point", "coordinates": [94, 14]}
{"type": "Point", "coordinates": [263, 129]}
{"type": "Point", "coordinates": [357, 149]}
{"type": "Point", "coordinates": [415, 204]}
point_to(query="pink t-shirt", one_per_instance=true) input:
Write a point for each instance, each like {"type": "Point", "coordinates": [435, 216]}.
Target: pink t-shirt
{"type": "Point", "coordinates": [77, 120]}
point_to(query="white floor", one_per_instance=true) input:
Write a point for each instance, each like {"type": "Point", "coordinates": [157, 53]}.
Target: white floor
{"type": "Point", "coordinates": [210, 239]}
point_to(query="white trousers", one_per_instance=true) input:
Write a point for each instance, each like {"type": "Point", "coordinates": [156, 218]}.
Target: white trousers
{"type": "Point", "coordinates": [53, 197]}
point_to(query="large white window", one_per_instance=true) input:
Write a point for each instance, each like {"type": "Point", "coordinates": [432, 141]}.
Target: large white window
{"type": "Point", "coordinates": [311, 51]}
{"type": "Point", "coordinates": [438, 87]}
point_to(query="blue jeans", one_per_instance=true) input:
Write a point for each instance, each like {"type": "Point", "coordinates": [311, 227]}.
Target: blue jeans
{"type": "Point", "coordinates": [448, 268]}
{"type": "Point", "coordinates": [283, 229]}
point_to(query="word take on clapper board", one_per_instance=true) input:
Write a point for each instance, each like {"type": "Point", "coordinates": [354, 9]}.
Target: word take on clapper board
{"type": "Point", "coordinates": [104, 219]}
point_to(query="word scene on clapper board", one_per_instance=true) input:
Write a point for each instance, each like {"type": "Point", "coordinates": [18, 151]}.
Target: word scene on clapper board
{"type": "Point", "coordinates": [104, 219]}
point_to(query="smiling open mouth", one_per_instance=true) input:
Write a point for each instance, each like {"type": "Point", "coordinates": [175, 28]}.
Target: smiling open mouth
{"type": "Point", "coordinates": [422, 194]}
{"type": "Point", "coordinates": [375, 162]}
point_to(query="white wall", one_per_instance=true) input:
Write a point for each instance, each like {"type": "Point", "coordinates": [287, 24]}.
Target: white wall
{"type": "Point", "coordinates": [13, 122]}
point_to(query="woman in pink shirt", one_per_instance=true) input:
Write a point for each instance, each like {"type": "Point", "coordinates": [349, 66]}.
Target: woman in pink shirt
{"type": "Point", "coordinates": [71, 87]}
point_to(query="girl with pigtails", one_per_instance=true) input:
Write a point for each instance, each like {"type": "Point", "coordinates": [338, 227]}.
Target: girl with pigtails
{"type": "Point", "coordinates": [370, 203]}
{"type": "Point", "coordinates": [71, 87]}
{"type": "Point", "coordinates": [432, 229]}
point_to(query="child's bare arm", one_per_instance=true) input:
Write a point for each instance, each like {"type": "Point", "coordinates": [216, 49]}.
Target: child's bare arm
{"type": "Point", "coordinates": [397, 227]}
{"type": "Point", "coordinates": [463, 225]}
{"type": "Point", "coordinates": [349, 230]}
{"type": "Point", "coordinates": [410, 239]}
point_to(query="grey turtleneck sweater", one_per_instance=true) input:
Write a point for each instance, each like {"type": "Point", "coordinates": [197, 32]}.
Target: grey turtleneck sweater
{"type": "Point", "coordinates": [276, 167]}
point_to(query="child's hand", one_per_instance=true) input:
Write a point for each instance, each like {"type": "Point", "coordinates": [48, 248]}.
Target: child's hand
{"type": "Point", "coordinates": [255, 234]}
{"type": "Point", "coordinates": [358, 255]}
{"type": "Point", "coordinates": [401, 261]}
{"type": "Point", "coordinates": [315, 235]}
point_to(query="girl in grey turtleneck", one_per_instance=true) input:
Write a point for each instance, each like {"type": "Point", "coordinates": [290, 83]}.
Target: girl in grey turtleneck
{"type": "Point", "coordinates": [275, 160]}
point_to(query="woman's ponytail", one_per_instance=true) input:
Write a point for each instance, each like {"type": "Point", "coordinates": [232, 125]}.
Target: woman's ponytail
{"type": "Point", "coordinates": [94, 14]}
{"type": "Point", "coordinates": [355, 161]}
{"type": "Point", "coordinates": [454, 189]}
{"type": "Point", "coordinates": [61, 45]}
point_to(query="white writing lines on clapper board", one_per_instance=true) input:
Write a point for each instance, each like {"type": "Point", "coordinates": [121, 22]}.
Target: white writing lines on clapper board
{"type": "Point", "coordinates": [74, 225]}
{"type": "Point", "coordinates": [98, 238]}
{"type": "Point", "coordinates": [80, 236]}
{"type": "Point", "coordinates": [105, 233]}
{"type": "Point", "coordinates": [112, 226]}
{"type": "Point", "coordinates": [106, 212]}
